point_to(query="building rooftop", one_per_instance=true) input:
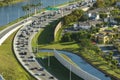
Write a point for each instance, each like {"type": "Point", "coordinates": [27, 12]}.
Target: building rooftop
{"type": "Point", "coordinates": [90, 22]}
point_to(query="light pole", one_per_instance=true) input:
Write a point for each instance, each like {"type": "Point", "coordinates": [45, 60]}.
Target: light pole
{"type": "Point", "coordinates": [70, 72]}
{"type": "Point", "coordinates": [54, 3]}
{"type": "Point", "coordinates": [18, 13]}
{"type": "Point", "coordinates": [48, 59]}
{"type": "Point", "coordinates": [7, 18]}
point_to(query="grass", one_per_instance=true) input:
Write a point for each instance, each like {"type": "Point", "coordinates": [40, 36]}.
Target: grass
{"type": "Point", "coordinates": [47, 36]}
{"type": "Point", "coordinates": [98, 62]}
{"type": "Point", "coordinates": [68, 59]}
{"type": "Point", "coordinates": [58, 35]}
{"type": "Point", "coordinates": [57, 69]}
{"type": "Point", "coordinates": [44, 54]}
{"type": "Point", "coordinates": [9, 66]}
{"type": "Point", "coordinates": [9, 3]}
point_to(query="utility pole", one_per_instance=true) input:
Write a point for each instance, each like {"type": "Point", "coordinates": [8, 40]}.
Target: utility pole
{"type": "Point", "coordinates": [8, 18]}
{"type": "Point", "coordinates": [54, 3]}
{"type": "Point", "coordinates": [70, 72]}
{"type": "Point", "coordinates": [48, 59]}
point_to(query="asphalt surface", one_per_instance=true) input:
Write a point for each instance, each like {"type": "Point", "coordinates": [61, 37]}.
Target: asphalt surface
{"type": "Point", "coordinates": [22, 42]}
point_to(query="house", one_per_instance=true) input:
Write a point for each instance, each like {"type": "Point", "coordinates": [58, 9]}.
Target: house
{"type": "Point", "coordinates": [85, 25]}
{"type": "Point", "coordinates": [112, 21]}
{"type": "Point", "coordinates": [101, 38]}
{"type": "Point", "coordinates": [118, 4]}
{"type": "Point", "coordinates": [93, 16]}
{"type": "Point", "coordinates": [81, 25]}
{"type": "Point", "coordinates": [104, 36]}
{"type": "Point", "coordinates": [116, 44]}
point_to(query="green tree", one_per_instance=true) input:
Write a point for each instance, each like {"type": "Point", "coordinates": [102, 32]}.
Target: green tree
{"type": "Point", "coordinates": [99, 3]}
{"type": "Point", "coordinates": [117, 19]}
{"type": "Point", "coordinates": [115, 62]}
{"type": "Point", "coordinates": [66, 37]}
{"type": "Point", "coordinates": [103, 15]}
{"type": "Point", "coordinates": [35, 6]}
{"type": "Point", "coordinates": [26, 9]}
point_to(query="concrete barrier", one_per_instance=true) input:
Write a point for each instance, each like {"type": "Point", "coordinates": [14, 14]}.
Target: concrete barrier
{"type": "Point", "coordinates": [75, 69]}
{"type": "Point", "coordinates": [13, 30]}
{"type": "Point", "coordinates": [59, 25]}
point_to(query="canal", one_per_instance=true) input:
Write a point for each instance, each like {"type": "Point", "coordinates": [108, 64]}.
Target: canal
{"type": "Point", "coordinates": [12, 12]}
{"type": "Point", "coordinates": [83, 64]}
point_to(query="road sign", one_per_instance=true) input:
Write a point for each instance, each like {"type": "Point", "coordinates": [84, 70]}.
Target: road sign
{"type": "Point", "coordinates": [52, 8]}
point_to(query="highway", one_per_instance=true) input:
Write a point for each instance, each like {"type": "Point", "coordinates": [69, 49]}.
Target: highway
{"type": "Point", "coordinates": [22, 41]}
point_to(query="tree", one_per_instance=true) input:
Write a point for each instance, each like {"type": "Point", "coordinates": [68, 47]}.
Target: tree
{"type": "Point", "coordinates": [35, 6]}
{"type": "Point", "coordinates": [29, 7]}
{"type": "Point", "coordinates": [115, 62]}
{"type": "Point", "coordinates": [104, 3]}
{"type": "Point", "coordinates": [99, 3]}
{"type": "Point", "coordinates": [117, 19]}
{"type": "Point", "coordinates": [103, 15]}
{"type": "Point", "coordinates": [26, 8]}
{"type": "Point", "coordinates": [73, 17]}
{"type": "Point", "coordinates": [66, 37]}
{"type": "Point", "coordinates": [84, 18]}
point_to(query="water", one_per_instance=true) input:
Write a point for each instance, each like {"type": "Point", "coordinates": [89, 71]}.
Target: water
{"type": "Point", "coordinates": [12, 12]}
{"type": "Point", "coordinates": [83, 64]}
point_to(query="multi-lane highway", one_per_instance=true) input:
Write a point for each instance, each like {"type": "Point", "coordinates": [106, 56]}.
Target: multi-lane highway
{"type": "Point", "coordinates": [22, 41]}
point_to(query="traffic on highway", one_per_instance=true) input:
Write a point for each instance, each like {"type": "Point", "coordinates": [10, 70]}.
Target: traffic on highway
{"type": "Point", "coordinates": [22, 41]}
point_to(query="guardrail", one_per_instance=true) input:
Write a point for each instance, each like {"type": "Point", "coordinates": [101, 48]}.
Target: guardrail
{"type": "Point", "coordinates": [13, 30]}
{"type": "Point", "coordinates": [76, 70]}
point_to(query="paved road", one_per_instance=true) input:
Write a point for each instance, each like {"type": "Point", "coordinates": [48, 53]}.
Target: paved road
{"type": "Point", "coordinates": [22, 43]}
{"type": "Point", "coordinates": [5, 33]}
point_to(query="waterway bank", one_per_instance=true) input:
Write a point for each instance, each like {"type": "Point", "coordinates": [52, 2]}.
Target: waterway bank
{"type": "Point", "coordinates": [3, 3]}
{"type": "Point", "coordinates": [81, 63]}
{"type": "Point", "coordinates": [96, 61]}
{"type": "Point", "coordinates": [15, 11]}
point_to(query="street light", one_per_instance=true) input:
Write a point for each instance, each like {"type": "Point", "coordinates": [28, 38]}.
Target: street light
{"type": "Point", "coordinates": [70, 72]}
{"type": "Point", "coordinates": [7, 18]}
{"type": "Point", "coordinates": [48, 59]}
{"type": "Point", "coordinates": [54, 3]}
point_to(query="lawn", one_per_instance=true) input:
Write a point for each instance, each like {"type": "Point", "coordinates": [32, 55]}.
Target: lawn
{"type": "Point", "coordinates": [45, 36]}
{"type": "Point", "coordinates": [44, 54]}
{"type": "Point", "coordinates": [57, 69]}
{"type": "Point", "coordinates": [68, 60]}
{"type": "Point", "coordinates": [9, 66]}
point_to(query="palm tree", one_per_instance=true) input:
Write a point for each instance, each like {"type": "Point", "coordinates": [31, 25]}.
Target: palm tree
{"type": "Point", "coordinates": [115, 62]}
{"type": "Point", "coordinates": [35, 6]}
{"type": "Point", "coordinates": [26, 8]}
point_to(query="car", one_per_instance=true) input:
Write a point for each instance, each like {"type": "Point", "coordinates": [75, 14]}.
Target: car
{"type": "Point", "coordinates": [31, 68]}
{"type": "Point", "coordinates": [31, 60]}
{"type": "Point", "coordinates": [43, 74]}
{"type": "Point", "coordinates": [30, 57]}
{"type": "Point", "coordinates": [26, 64]}
{"type": "Point", "coordinates": [24, 60]}
{"type": "Point", "coordinates": [22, 56]}
{"type": "Point", "coordinates": [43, 12]}
{"type": "Point", "coordinates": [51, 77]}
{"type": "Point", "coordinates": [40, 69]}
